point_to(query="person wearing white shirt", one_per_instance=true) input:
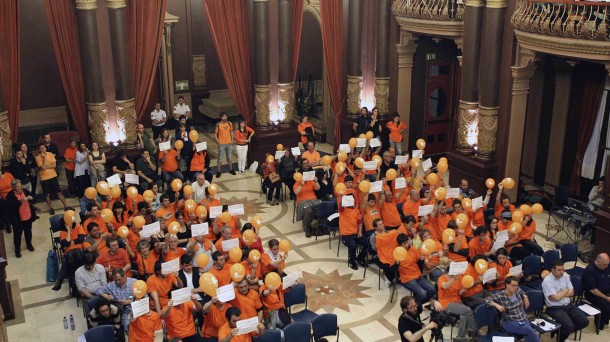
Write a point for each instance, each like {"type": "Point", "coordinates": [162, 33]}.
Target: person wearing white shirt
{"type": "Point", "coordinates": [558, 290]}
{"type": "Point", "coordinates": [158, 118]}
{"type": "Point", "coordinates": [181, 109]}
{"type": "Point", "coordinates": [199, 187]}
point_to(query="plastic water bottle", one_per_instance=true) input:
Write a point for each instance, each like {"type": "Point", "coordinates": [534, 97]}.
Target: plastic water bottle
{"type": "Point", "coordinates": [65, 323]}
{"type": "Point", "coordinates": [72, 326]}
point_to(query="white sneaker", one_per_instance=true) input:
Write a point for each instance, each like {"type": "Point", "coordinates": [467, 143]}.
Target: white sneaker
{"type": "Point", "coordinates": [386, 281]}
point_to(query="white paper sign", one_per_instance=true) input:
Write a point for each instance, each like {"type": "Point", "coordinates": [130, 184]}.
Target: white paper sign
{"type": "Point", "coordinates": [246, 326]}
{"type": "Point", "coordinates": [236, 209]}
{"type": "Point", "coordinates": [113, 180]}
{"type": "Point", "coordinates": [400, 183]}
{"type": "Point", "coordinates": [295, 151]}
{"type": "Point", "coordinates": [502, 235]}
{"type": "Point", "coordinates": [344, 148]}
{"type": "Point", "coordinates": [150, 229]}
{"type": "Point", "coordinates": [226, 293]}
{"type": "Point", "coordinates": [425, 210]}
{"type": "Point", "coordinates": [132, 178]}
{"type": "Point", "coordinates": [165, 146]}
{"type": "Point", "coordinates": [374, 142]}
{"type": "Point", "coordinates": [200, 229]}
{"type": "Point", "coordinates": [228, 244]}
{"type": "Point", "coordinates": [586, 308]}
{"type": "Point", "coordinates": [427, 164]}
{"type": "Point", "coordinates": [171, 266]}
{"type": "Point", "coordinates": [347, 201]}
{"type": "Point", "coordinates": [182, 295]}
{"type": "Point", "coordinates": [502, 339]}
{"type": "Point", "coordinates": [489, 275]}
{"type": "Point", "coordinates": [140, 307]}
{"type": "Point", "coordinates": [458, 267]}
{"type": "Point", "coordinates": [516, 270]}
{"type": "Point", "coordinates": [370, 165]}
{"type": "Point", "coordinates": [417, 154]}
{"type": "Point", "coordinates": [376, 187]}
{"type": "Point", "coordinates": [309, 175]}
{"type": "Point", "coordinates": [361, 142]}
{"type": "Point", "coordinates": [497, 245]}
{"type": "Point", "coordinates": [477, 203]}
{"type": "Point", "coordinates": [202, 146]}
{"type": "Point", "coordinates": [548, 326]}
{"type": "Point", "coordinates": [332, 217]}
{"type": "Point", "coordinates": [290, 280]}
{"type": "Point", "coordinates": [279, 154]}
{"type": "Point", "coordinates": [215, 211]}
{"type": "Point", "coordinates": [401, 160]}
{"type": "Point", "coordinates": [453, 192]}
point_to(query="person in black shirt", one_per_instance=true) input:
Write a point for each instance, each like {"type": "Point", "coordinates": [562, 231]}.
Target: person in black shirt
{"type": "Point", "coordinates": [20, 168]}
{"type": "Point", "coordinates": [288, 166]}
{"type": "Point", "coordinates": [410, 326]}
{"type": "Point", "coordinates": [361, 126]}
{"type": "Point", "coordinates": [326, 192]}
{"type": "Point", "coordinates": [122, 165]}
{"type": "Point", "coordinates": [596, 281]}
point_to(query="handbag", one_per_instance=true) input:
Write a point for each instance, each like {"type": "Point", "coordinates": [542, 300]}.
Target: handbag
{"type": "Point", "coordinates": [284, 316]}
{"type": "Point", "coordinates": [274, 177]}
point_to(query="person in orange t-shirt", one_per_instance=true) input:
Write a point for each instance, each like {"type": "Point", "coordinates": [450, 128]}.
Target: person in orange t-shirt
{"type": "Point", "coordinates": [502, 266]}
{"type": "Point", "coordinates": [449, 291]}
{"type": "Point", "coordinates": [243, 134]}
{"type": "Point", "coordinates": [229, 333]}
{"type": "Point", "coordinates": [166, 213]}
{"type": "Point", "coordinates": [527, 236]}
{"type": "Point", "coordinates": [457, 251]}
{"type": "Point", "coordinates": [115, 258]}
{"type": "Point", "coordinates": [410, 274]}
{"type": "Point", "coordinates": [396, 127]}
{"type": "Point", "coordinates": [273, 260]}
{"type": "Point", "coordinates": [384, 242]}
{"type": "Point", "coordinates": [412, 204]}
{"type": "Point", "coordinates": [389, 211]}
{"type": "Point", "coordinates": [169, 165]}
{"type": "Point", "coordinates": [160, 285]}
{"type": "Point", "coordinates": [439, 220]}
{"type": "Point", "coordinates": [458, 209]}
{"type": "Point", "coordinates": [95, 241]}
{"type": "Point", "coordinates": [306, 202]}
{"type": "Point", "coordinates": [505, 220]}
{"type": "Point", "coordinates": [146, 328]}
{"type": "Point", "coordinates": [171, 250]}
{"type": "Point", "coordinates": [146, 259]}
{"type": "Point", "coordinates": [502, 202]}
{"type": "Point", "coordinates": [350, 229]}
{"type": "Point", "coordinates": [220, 269]}
{"type": "Point", "coordinates": [312, 156]}
{"type": "Point", "coordinates": [224, 139]}
{"type": "Point", "coordinates": [248, 301]}
{"type": "Point", "coordinates": [475, 295]}
{"type": "Point", "coordinates": [94, 216]}
{"type": "Point", "coordinates": [480, 244]}
{"type": "Point", "coordinates": [432, 260]}
{"type": "Point", "coordinates": [214, 312]}
{"type": "Point", "coordinates": [179, 319]}
{"type": "Point", "coordinates": [306, 130]}
{"type": "Point", "coordinates": [70, 157]}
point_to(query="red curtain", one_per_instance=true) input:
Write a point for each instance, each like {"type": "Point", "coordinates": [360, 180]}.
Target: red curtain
{"type": "Point", "coordinates": [9, 62]}
{"type": "Point", "coordinates": [332, 41]}
{"type": "Point", "coordinates": [64, 33]}
{"type": "Point", "coordinates": [145, 26]}
{"type": "Point", "coordinates": [594, 81]}
{"type": "Point", "coordinates": [297, 27]}
{"type": "Point", "coordinates": [229, 24]}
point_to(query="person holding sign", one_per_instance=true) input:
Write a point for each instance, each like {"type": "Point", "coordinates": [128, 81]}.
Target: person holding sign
{"type": "Point", "coordinates": [475, 295]}
{"type": "Point", "coordinates": [273, 260]}
{"type": "Point", "coordinates": [458, 250]}
{"type": "Point", "coordinates": [502, 266]}
{"type": "Point", "coordinates": [410, 274]}
{"type": "Point", "coordinates": [186, 151]}
{"type": "Point", "coordinates": [350, 229]}
{"type": "Point", "coordinates": [146, 259]}
{"type": "Point", "coordinates": [159, 286]}
{"type": "Point", "coordinates": [273, 301]}
{"type": "Point", "coordinates": [146, 328]}
{"type": "Point", "coordinates": [449, 291]}
{"type": "Point", "coordinates": [243, 136]}
{"type": "Point", "coordinates": [502, 201]}
{"type": "Point", "coordinates": [121, 165]}
{"type": "Point", "coordinates": [171, 250]}
{"type": "Point", "coordinates": [439, 219]}
{"type": "Point", "coordinates": [389, 211]}
{"type": "Point", "coordinates": [229, 332]}
{"type": "Point", "coordinates": [169, 165]}
{"type": "Point", "coordinates": [383, 242]}
{"type": "Point", "coordinates": [307, 202]}
{"type": "Point", "coordinates": [224, 138]}
{"type": "Point", "coordinates": [179, 319]}
{"type": "Point", "coordinates": [200, 165]}
{"type": "Point", "coordinates": [271, 180]}
{"type": "Point", "coordinates": [480, 244]}
{"type": "Point", "coordinates": [214, 312]}
{"type": "Point", "coordinates": [248, 301]}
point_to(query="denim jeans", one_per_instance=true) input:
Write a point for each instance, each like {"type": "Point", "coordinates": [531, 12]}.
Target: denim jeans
{"type": "Point", "coordinates": [169, 176]}
{"type": "Point", "coordinates": [422, 289]}
{"type": "Point", "coordinates": [225, 149]}
{"type": "Point", "coordinates": [524, 330]}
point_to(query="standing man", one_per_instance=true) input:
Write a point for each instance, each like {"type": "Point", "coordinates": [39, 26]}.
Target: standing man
{"type": "Point", "coordinates": [145, 141]}
{"type": "Point", "coordinates": [48, 175]}
{"type": "Point", "coordinates": [596, 279]}
{"type": "Point", "coordinates": [224, 138]}
{"type": "Point", "coordinates": [70, 157]}
{"type": "Point", "coordinates": [158, 118]}
{"type": "Point", "coordinates": [558, 290]}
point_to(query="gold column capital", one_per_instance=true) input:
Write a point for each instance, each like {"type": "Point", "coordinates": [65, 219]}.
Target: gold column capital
{"type": "Point", "coordinates": [262, 100]}
{"type": "Point", "coordinates": [382, 94]}
{"type": "Point", "coordinates": [98, 123]}
{"type": "Point", "coordinates": [116, 4]}
{"type": "Point", "coordinates": [468, 120]}
{"type": "Point", "coordinates": [5, 138]}
{"type": "Point", "coordinates": [521, 79]}
{"type": "Point", "coordinates": [126, 120]}
{"type": "Point", "coordinates": [287, 96]}
{"type": "Point", "coordinates": [354, 89]}
{"type": "Point", "coordinates": [474, 3]}
{"type": "Point", "coordinates": [496, 4]}
{"type": "Point", "coordinates": [488, 127]}
{"type": "Point", "coordinates": [86, 4]}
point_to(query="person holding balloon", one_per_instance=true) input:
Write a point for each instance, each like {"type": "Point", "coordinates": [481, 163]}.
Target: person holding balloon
{"type": "Point", "coordinates": [220, 269]}
{"type": "Point", "coordinates": [273, 260]}
{"type": "Point", "coordinates": [169, 160]}
{"type": "Point", "coordinates": [527, 236]}
{"type": "Point", "coordinates": [201, 249]}
{"type": "Point", "coordinates": [475, 293]}
{"type": "Point", "coordinates": [459, 210]}
{"type": "Point", "coordinates": [247, 300]}
{"type": "Point", "coordinates": [214, 312]}
{"type": "Point", "coordinates": [432, 259]}
{"type": "Point", "coordinates": [272, 296]}
{"type": "Point", "coordinates": [503, 200]}
{"type": "Point", "coordinates": [439, 219]}
{"type": "Point", "coordinates": [272, 183]}
{"type": "Point", "coordinates": [171, 250]}
{"type": "Point", "coordinates": [253, 268]}
{"type": "Point", "coordinates": [252, 240]}
{"type": "Point", "coordinates": [502, 266]}
{"type": "Point", "coordinates": [93, 213]}
{"type": "Point", "coordinates": [409, 258]}
{"type": "Point", "coordinates": [457, 250]}
{"type": "Point", "coordinates": [71, 237]}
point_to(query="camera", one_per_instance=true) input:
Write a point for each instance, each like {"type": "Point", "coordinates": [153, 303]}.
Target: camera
{"type": "Point", "coordinates": [441, 319]}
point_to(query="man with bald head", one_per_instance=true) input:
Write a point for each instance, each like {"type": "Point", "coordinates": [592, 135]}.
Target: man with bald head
{"type": "Point", "coordinates": [596, 281]}
{"type": "Point", "coordinates": [145, 141]}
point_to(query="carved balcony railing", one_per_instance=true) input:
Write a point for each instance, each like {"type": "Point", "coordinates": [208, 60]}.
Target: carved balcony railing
{"type": "Point", "coordinates": [441, 10]}
{"type": "Point", "coordinates": [564, 18]}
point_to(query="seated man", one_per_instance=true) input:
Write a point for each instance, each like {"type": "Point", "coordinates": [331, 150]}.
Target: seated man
{"type": "Point", "coordinates": [105, 313]}
{"type": "Point", "coordinates": [169, 165]}
{"type": "Point", "coordinates": [119, 291]}
{"type": "Point", "coordinates": [115, 257]}
{"type": "Point", "coordinates": [121, 165]}
{"type": "Point", "coordinates": [95, 241]}
{"type": "Point", "coordinates": [228, 331]}
{"type": "Point", "coordinates": [312, 156]}
{"type": "Point", "coordinates": [410, 274]}
{"type": "Point", "coordinates": [558, 290]}
{"type": "Point", "coordinates": [146, 168]}
{"type": "Point", "coordinates": [179, 320]}
{"type": "Point", "coordinates": [596, 196]}
{"type": "Point", "coordinates": [93, 211]}
{"type": "Point", "coordinates": [159, 285]}
{"type": "Point", "coordinates": [307, 202]}
{"type": "Point", "coordinates": [89, 277]}
{"type": "Point", "coordinates": [220, 269]}
{"type": "Point", "coordinates": [596, 283]}
{"type": "Point", "coordinates": [146, 328]}
{"type": "Point", "coordinates": [248, 301]}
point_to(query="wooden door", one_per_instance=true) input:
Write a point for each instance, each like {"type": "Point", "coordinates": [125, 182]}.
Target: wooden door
{"type": "Point", "coordinates": [439, 103]}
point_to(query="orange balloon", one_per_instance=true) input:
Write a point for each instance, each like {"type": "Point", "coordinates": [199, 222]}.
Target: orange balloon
{"type": "Point", "coordinates": [139, 221]}
{"type": "Point", "coordinates": [106, 215]}
{"type": "Point", "coordinates": [326, 160]}
{"type": "Point", "coordinates": [103, 188]}
{"type": "Point", "coordinates": [254, 255]}
{"type": "Point", "coordinates": [201, 211]}
{"type": "Point", "coordinates": [421, 144]}
{"type": "Point", "coordinates": [340, 167]}
{"type": "Point", "coordinates": [194, 136]}
{"type": "Point", "coordinates": [517, 216]}
{"type": "Point", "coordinates": [364, 186]}
{"type": "Point", "coordinates": [481, 266]}
{"type": "Point", "coordinates": [256, 221]}
{"type": "Point", "coordinates": [69, 216]}
{"type": "Point", "coordinates": [537, 208]}
{"type": "Point", "coordinates": [284, 245]}
{"type": "Point", "coordinates": [123, 231]}
{"type": "Point", "coordinates": [440, 193]}
{"type": "Point", "coordinates": [342, 156]}
{"type": "Point", "coordinates": [148, 196]}
{"type": "Point", "coordinates": [525, 209]}
{"type": "Point", "coordinates": [190, 205]}
{"type": "Point", "coordinates": [279, 147]}
{"type": "Point", "coordinates": [432, 179]}
{"type": "Point", "coordinates": [270, 159]}
{"type": "Point", "coordinates": [399, 253]}
{"type": "Point", "coordinates": [467, 281]}
{"type": "Point", "coordinates": [378, 159]}
{"type": "Point", "coordinates": [139, 289]}
{"type": "Point", "coordinates": [443, 160]}
{"type": "Point", "coordinates": [188, 190]}
{"type": "Point", "coordinates": [442, 167]}
{"type": "Point", "coordinates": [340, 188]}
{"type": "Point", "coordinates": [238, 272]}
{"type": "Point", "coordinates": [415, 162]}
{"type": "Point", "coordinates": [225, 217]}
{"type": "Point", "coordinates": [353, 142]}
{"type": "Point", "coordinates": [391, 174]}
{"type": "Point", "coordinates": [544, 274]}
{"type": "Point", "coordinates": [461, 220]}
{"type": "Point", "coordinates": [208, 284]}
{"type": "Point", "coordinates": [203, 260]}
{"type": "Point", "coordinates": [176, 184]}
{"type": "Point", "coordinates": [369, 135]}
{"type": "Point", "coordinates": [115, 192]}
{"type": "Point", "coordinates": [490, 183]}
{"type": "Point", "coordinates": [173, 227]}
{"type": "Point", "coordinates": [448, 236]}
{"type": "Point", "coordinates": [467, 203]}
{"type": "Point", "coordinates": [297, 176]}
{"type": "Point", "coordinates": [359, 162]}
{"type": "Point", "coordinates": [213, 189]}
{"type": "Point", "coordinates": [273, 281]}
{"type": "Point", "coordinates": [235, 254]}
{"type": "Point", "coordinates": [428, 246]}
{"type": "Point", "coordinates": [178, 144]}
{"type": "Point", "coordinates": [91, 193]}
{"type": "Point", "coordinates": [132, 192]}
{"type": "Point", "coordinates": [509, 183]}
{"type": "Point", "coordinates": [515, 228]}
{"type": "Point", "coordinates": [249, 237]}
{"type": "Point", "coordinates": [362, 136]}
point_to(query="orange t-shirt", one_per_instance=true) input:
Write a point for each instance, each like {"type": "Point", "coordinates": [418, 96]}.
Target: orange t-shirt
{"type": "Point", "coordinates": [348, 221]}
{"type": "Point", "coordinates": [385, 244]}
{"type": "Point", "coordinates": [225, 331]}
{"type": "Point", "coordinates": [166, 215]}
{"type": "Point", "coordinates": [147, 265]}
{"type": "Point", "coordinates": [478, 217]}
{"type": "Point", "coordinates": [307, 192]}
{"type": "Point", "coordinates": [236, 233]}
{"type": "Point", "coordinates": [502, 273]}
{"type": "Point", "coordinates": [527, 231]}
{"type": "Point", "coordinates": [408, 268]}
{"type": "Point", "coordinates": [173, 254]}
{"type": "Point", "coordinates": [223, 275]}
{"type": "Point", "coordinates": [74, 233]}
{"type": "Point", "coordinates": [5, 184]}
{"type": "Point", "coordinates": [458, 257]}
{"type": "Point", "coordinates": [389, 214]}
{"type": "Point", "coordinates": [213, 320]}
{"type": "Point", "coordinates": [502, 226]}
{"type": "Point", "coordinates": [198, 161]}
{"type": "Point", "coordinates": [475, 289]}
{"type": "Point", "coordinates": [49, 172]}
{"type": "Point", "coordinates": [180, 322]}
{"type": "Point", "coordinates": [369, 214]}
{"type": "Point", "coordinates": [395, 130]}
{"type": "Point", "coordinates": [241, 138]}
{"type": "Point", "coordinates": [412, 208]}
{"type": "Point", "coordinates": [119, 260]}
{"type": "Point", "coordinates": [102, 248]}
{"type": "Point", "coordinates": [133, 239]}
{"type": "Point", "coordinates": [124, 221]}
{"type": "Point", "coordinates": [312, 157]}
{"type": "Point", "coordinates": [171, 161]}
{"type": "Point", "coordinates": [248, 304]}
{"type": "Point", "coordinates": [70, 153]}
{"type": "Point", "coordinates": [223, 132]}
{"type": "Point", "coordinates": [301, 128]}
{"type": "Point", "coordinates": [438, 224]}
{"type": "Point", "coordinates": [162, 286]}
{"type": "Point", "coordinates": [434, 256]}
{"type": "Point", "coordinates": [498, 209]}
{"type": "Point", "coordinates": [275, 300]}
{"type": "Point", "coordinates": [451, 294]}
{"type": "Point", "coordinates": [100, 222]}
{"type": "Point", "coordinates": [143, 328]}
{"type": "Point", "coordinates": [475, 247]}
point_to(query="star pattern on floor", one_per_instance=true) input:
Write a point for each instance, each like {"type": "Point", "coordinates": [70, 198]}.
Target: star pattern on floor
{"type": "Point", "coordinates": [250, 206]}
{"type": "Point", "coordinates": [331, 290]}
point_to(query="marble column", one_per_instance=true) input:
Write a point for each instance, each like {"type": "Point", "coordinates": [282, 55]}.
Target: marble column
{"type": "Point", "coordinates": [92, 70]}
{"type": "Point", "coordinates": [125, 102]}
{"type": "Point", "coordinates": [354, 67]}
{"type": "Point", "coordinates": [262, 88]}
{"type": "Point", "coordinates": [469, 97]}
{"type": "Point", "coordinates": [382, 69]}
{"type": "Point", "coordinates": [5, 131]}
{"type": "Point", "coordinates": [286, 74]}
{"type": "Point", "coordinates": [406, 50]}
{"type": "Point", "coordinates": [491, 56]}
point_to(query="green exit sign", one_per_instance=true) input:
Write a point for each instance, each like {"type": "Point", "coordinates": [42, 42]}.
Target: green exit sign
{"type": "Point", "coordinates": [431, 56]}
